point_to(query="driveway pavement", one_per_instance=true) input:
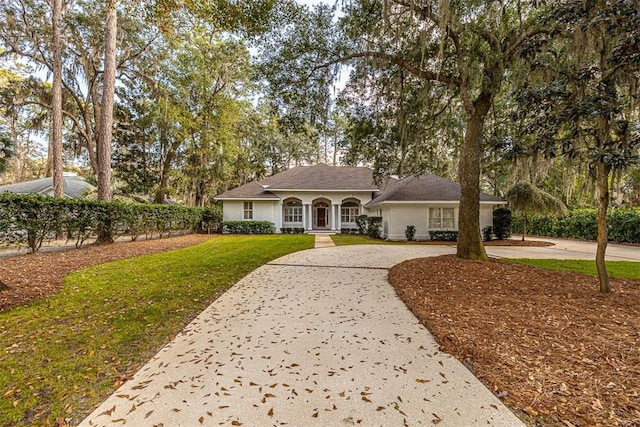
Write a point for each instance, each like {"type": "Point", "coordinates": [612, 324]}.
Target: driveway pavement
{"type": "Point", "coordinates": [314, 338]}
{"type": "Point", "coordinates": [318, 337]}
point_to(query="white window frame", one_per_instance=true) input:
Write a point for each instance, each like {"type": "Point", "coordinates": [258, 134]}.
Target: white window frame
{"type": "Point", "coordinates": [292, 214]}
{"type": "Point", "coordinates": [247, 210]}
{"type": "Point", "coordinates": [437, 219]}
{"type": "Point", "coordinates": [348, 214]}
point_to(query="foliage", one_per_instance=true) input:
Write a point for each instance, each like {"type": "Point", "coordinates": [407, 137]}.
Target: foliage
{"type": "Point", "coordinates": [487, 233]}
{"type": "Point", "coordinates": [67, 352]}
{"type": "Point", "coordinates": [527, 199]}
{"type": "Point", "coordinates": [502, 222]}
{"type": "Point", "coordinates": [292, 230]}
{"type": "Point", "coordinates": [374, 226]}
{"type": "Point", "coordinates": [410, 232]}
{"type": "Point", "coordinates": [33, 218]}
{"type": "Point", "coordinates": [349, 231]}
{"type": "Point", "coordinates": [617, 269]}
{"type": "Point", "coordinates": [623, 225]}
{"type": "Point", "coordinates": [248, 227]}
{"type": "Point", "coordinates": [361, 222]}
{"type": "Point", "coordinates": [211, 219]}
{"type": "Point", "coordinates": [443, 235]}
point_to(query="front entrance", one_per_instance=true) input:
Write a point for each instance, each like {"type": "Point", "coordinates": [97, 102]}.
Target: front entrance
{"type": "Point", "coordinates": [320, 215]}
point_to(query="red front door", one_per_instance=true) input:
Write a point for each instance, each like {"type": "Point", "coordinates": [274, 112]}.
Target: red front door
{"type": "Point", "coordinates": [322, 217]}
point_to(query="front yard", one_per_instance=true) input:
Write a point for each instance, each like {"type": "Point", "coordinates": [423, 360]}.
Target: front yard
{"type": "Point", "coordinates": [63, 355]}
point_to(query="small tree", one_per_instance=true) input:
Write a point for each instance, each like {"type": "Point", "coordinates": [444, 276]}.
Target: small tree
{"type": "Point", "coordinates": [526, 199]}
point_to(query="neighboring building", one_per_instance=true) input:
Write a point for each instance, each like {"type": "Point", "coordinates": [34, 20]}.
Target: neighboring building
{"type": "Point", "coordinates": [326, 198]}
{"type": "Point", "coordinates": [74, 186]}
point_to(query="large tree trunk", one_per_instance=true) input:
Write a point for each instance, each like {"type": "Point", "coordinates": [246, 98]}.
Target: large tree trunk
{"type": "Point", "coordinates": [603, 204]}
{"type": "Point", "coordinates": [56, 103]}
{"type": "Point", "coordinates": [106, 116]}
{"type": "Point", "coordinates": [469, 240]}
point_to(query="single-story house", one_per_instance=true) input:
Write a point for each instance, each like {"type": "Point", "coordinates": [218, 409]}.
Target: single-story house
{"type": "Point", "coordinates": [73, 186]}
{"type": "Point", "coordinates": [329, 198]}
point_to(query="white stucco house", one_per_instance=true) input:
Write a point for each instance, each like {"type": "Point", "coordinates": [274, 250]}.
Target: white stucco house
{"type": "Point", "coordinates": [329, 198]}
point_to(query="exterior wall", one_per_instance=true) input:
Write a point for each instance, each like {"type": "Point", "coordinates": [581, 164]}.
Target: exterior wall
{"type": "Point", "coordinates": [263, 210]}
{"type": "Point", "coordinates": [486, 216]}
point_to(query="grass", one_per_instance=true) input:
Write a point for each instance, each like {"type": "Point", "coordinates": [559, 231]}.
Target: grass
{"type": "Point", "coordinates": [64, 355]}
{"type": "Point", "coordinates": [616, 269]}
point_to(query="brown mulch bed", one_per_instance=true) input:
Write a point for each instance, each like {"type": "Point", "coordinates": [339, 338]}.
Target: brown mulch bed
{"type": "Point", "coordinates": [35, 276]}
{"type": "Point", "coordinates": [546, 342]}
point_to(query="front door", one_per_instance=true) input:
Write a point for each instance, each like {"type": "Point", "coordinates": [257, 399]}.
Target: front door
{"type": "Point", "coordinates": [322, 217]}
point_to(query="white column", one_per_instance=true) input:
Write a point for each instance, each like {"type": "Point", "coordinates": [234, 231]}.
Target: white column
{"type": "Point", "coordinates": [280, 215]}
{"type": "Point", "coordinates": [306, 217]}
{"type": "Point", "coordinates": [334, 217]}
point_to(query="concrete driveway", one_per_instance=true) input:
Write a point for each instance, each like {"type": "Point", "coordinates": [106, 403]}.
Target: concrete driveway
{"type": "Point", "coordinates": [318, 337]}
{"type": "Point", "coordinates": [314, 338]}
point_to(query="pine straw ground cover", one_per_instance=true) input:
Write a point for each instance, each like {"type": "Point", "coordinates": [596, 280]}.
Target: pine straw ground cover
{"type": "Point", "coordinates": [546, 342]}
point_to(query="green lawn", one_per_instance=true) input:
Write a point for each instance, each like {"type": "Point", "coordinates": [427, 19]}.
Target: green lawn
{"type": "Point", "coordinates": [62, 356]}
{"type": "Point", "coordinates": [617, 269]}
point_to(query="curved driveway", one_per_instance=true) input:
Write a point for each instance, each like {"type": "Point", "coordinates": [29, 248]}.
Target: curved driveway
{"type": "Point", "coordinates": [318, 337]}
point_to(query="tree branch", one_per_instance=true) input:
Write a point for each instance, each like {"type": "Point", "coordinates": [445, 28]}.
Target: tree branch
{"type": "Point", "coordinates": [416, 71]}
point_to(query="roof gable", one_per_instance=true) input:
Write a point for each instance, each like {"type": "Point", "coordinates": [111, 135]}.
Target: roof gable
{"type": "Point", "coordinates": [424, 188]}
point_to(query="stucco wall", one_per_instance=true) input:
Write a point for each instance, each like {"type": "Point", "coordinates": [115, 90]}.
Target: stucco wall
{"type": "Point", "coordinates": [486, 216]}
{"type": "Point", "coordinates": [266, 210]}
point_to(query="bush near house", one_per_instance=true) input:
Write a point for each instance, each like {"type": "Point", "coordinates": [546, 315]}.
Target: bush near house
{"type": "Point", "coordinates": [410, 232]}
{"type": "Point", "coordinates": [502, 220]}
{"type": "Point", "coordinates": [443, 235]}
{"type": "Point", "coordinates": [349, 231]}
{"type": "Point", "coordinates": [292, 230]}
{"type": "Point", "coordinates": [248, 227]}
{"type": "Point", "coordinates": [32, 218]}
{"type": "Point", "coordinates": [487, 233]}
{"type": "Point", "coordinates": [374, 226]}
{"type": "Point", "coordinates": [623, 225]}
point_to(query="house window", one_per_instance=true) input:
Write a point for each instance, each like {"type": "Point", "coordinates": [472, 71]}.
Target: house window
{"type": "Point", "coordinates": [349, 212]}
{"type": "Point", "coordinates": [248, 210]}
{"type": "Point", "coordinates": [293, 211]}
{"type": "Point", "coordinates": [441, 218]}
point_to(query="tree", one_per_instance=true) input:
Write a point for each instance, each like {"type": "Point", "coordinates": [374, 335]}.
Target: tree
{"type": "Point", "coordinates": [588, 96]}
{"type": "Point", "coordinates": [56, 102]}
{"type": "Point", "coordinates": [106, 112]}
{"type": "Point", "coordinates": [526, 199]}
{"type": "Point", "coordinates": [466, 47]}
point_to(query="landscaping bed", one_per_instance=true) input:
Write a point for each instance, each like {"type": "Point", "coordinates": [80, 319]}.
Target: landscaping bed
{"type": "Point", "coordinates": [546, 342]}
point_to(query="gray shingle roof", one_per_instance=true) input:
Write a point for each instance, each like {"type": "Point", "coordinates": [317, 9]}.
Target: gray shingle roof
{"type": "Point", "coordinates": [318, 177]}
{"type": "Point", "coordinates": [74, 186]}
{"type": "Point", "coordinates": [424, 188]}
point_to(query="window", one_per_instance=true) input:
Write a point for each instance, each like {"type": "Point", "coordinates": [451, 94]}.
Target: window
{"type": "Point", "coordinates": [349, 212]}
{"type": "Point", "coordinates": [248, 210]}
{"type": "Point", "coordinates": [441, 218]}
{"type": "Point", "coordinates": [293, 211]}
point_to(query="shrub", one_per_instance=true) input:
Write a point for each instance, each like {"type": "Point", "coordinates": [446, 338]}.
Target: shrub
{"type": "Point", "coordinates": [33, 218]}
{"type": "Point", "coordinates": [348, 231]}
{"type": "Point", "coordinates": [374, 226]}
{"type": "Point", "coordinates": [443, 235]}
{"type": "Point", "coordinates": [361, 222]}
{"type": "Point", "coordinates": [410, 232]}
{"type": "Point", "coordinates": [487, 233]}
{"type": "Point", "coordinates": [502, 222]}
{"type": "Point", "coordinates": [248, 227]}
{"type": "Point", "coordinates": [211, 219]}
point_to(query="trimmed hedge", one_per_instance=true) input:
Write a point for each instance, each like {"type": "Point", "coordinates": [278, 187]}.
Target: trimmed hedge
{"type": "Point", "coordinates": [248, 227]}
{"type": "Point", "coordinates": [502, 219]}
{"type": "Point", "coordinates": [292, 230]}
{"type": "Point", "coordinates": [443, 235]}
{"type": "Point", "coordinates": [623, 225]}
{"type": "Point", "coordinates": [349, 231]}
{"type": "Point", "coordinates": [34, 218]}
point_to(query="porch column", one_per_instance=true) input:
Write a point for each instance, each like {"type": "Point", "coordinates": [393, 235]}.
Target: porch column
{"type": "Point", "coordinates": [279, 215]}
{"type": "Point", "coordinates": [306, 218]}
{"type": "Point", "coordinates": [334, 217]}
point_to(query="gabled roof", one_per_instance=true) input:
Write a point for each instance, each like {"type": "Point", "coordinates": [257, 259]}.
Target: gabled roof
{"type": "Point", "coordinates": [306, 178]}
{"type": "Point", "coordinates": [74, 186]}
{"type": "Point", "coordinates": [424, 188]}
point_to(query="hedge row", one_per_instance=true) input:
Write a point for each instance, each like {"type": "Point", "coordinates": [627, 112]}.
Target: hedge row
{"type": "Point", "coordinates": [34, 218]}
{"type": "Point", "coordinates": [248, 227]}
{"type": "Point", "coordinates": [623, 225]}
